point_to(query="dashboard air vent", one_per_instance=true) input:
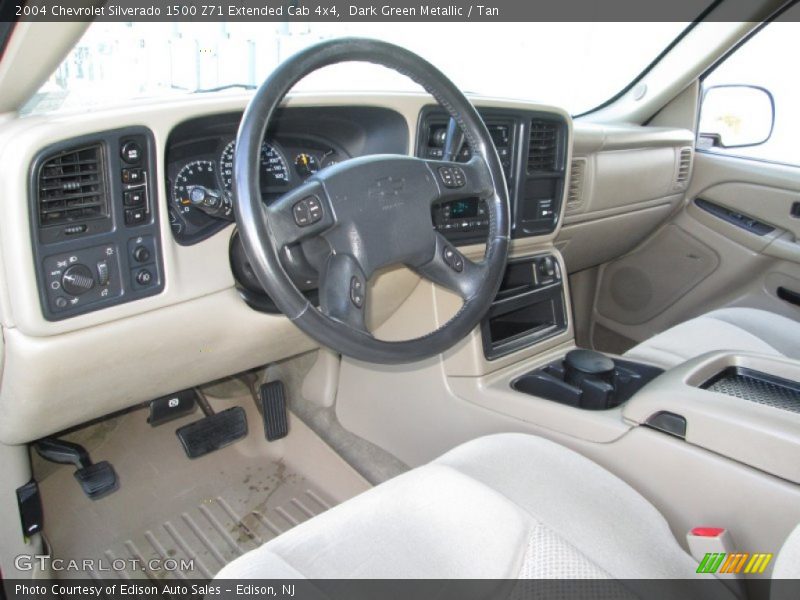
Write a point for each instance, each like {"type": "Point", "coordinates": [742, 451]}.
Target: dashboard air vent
{"type": "Point", "coordinates": [575, 189]}
{"type": "Point", "coordinates": [543, 146]}
{"type": "Point", "coordinates": [72, 186]}
{"type": "Point", "coordinates": [684, 166]}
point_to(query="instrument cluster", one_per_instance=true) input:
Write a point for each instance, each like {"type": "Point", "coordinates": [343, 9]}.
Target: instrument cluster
{"type": "Point", "coordinates": [200, 178]}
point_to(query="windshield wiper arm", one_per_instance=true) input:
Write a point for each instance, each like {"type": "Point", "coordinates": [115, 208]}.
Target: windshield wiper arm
{"type": "Point", "coordinates": [230, 86]}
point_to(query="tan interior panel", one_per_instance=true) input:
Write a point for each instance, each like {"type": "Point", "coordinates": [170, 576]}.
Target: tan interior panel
{"type": "Point", "coordinates": [629, 176]}
{"type": "Point", "coordinates": [591, 243]}
{"type": "Point", "coordinates": [750, 267]}
{"type": "Point", "coordinates": [639, 286]}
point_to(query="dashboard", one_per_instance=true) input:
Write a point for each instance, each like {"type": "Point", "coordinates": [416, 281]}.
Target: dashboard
{"type": "Point", "coordinates": [160, 309]}
{"type": "Point", "coordinates": [155, 302]}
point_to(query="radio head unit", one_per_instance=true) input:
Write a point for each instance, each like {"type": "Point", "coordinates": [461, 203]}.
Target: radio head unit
{"type": "Point", "coordinates": [532, 146]}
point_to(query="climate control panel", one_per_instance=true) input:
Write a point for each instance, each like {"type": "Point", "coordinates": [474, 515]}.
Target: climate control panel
{"type": "Point", "coordinates": [95, 222]}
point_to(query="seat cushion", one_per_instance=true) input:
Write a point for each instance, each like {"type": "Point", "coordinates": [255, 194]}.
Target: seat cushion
{"type": "Point", "coordinates": [735, 329]}
{"type": "Point", "coordinates": [502, 506]}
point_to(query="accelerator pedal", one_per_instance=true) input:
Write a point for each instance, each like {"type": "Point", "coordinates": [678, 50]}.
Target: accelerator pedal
{"type": "Point", "coordinates": [273, 410]}
{"type": "Point", "coordinates": [96, 479]}
{"type": "Point", "coordinates": [214, 431]}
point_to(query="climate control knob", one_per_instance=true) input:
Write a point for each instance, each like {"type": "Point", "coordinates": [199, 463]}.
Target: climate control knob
{"type": "Point", "coordinates": [77, 280]}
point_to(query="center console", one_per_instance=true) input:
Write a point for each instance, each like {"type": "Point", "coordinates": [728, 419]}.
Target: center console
{"type": "Point", "coordinates": [532, 147]}
{"type": "Point", "coordinates": [529, 307]}
{"type": "Point", "coordinates": [739, 405]}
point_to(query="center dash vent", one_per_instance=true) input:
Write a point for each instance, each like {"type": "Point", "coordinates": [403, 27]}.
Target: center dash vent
{"type": "Point", "coordinates": [684, 167]}
{"type": "Point", "coordinates": [543, 146]}
{"type": "Point", "coordinates": [72, 187]}
{"type": "Point", "coordinates": [575, 189]}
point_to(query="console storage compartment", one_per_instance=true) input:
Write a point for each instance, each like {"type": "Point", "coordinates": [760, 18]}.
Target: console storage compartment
{"type": "Point", "coordinates": [744, 406]}
{"type": "Point", "coordinates": [529, 307]}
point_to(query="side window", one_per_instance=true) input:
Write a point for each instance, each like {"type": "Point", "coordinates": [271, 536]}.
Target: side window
{"type": "Point", "coordinates": [751, 102]}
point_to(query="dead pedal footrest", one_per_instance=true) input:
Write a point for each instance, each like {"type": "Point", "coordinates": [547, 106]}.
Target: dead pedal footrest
{"type": "Point", "coordinates": [213, 432]}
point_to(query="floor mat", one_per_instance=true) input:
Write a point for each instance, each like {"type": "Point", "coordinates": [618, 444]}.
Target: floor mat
{"type": "Point", "coordinates": [175, 518]}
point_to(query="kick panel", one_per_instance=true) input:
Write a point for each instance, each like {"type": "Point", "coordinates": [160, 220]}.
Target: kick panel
{"type": "Point", "coordinates": [639, 286]}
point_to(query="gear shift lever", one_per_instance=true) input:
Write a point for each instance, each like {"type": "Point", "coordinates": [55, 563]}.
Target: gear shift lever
{"type": "Point", "coordinates": [454, 139]}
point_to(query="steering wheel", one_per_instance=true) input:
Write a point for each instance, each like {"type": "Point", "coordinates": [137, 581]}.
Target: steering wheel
{"type": "Point", "coordinates": [368, 213]}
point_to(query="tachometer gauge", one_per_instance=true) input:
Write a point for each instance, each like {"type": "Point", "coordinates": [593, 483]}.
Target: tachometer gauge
{"type": "Point", "coordinates": [306, 164]}
{"type": "Point", "coordinates": [273, 166]}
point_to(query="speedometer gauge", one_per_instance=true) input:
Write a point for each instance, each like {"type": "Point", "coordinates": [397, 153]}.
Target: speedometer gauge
{"type": "Point", "coordinates": [274, 170]}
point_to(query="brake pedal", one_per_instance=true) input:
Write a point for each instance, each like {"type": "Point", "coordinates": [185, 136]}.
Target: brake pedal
{"type": "Point", "coordinates": [96, 479]}
{"type": "Point", "coordinates": [273, 410]}
{"type": "Point", "coordinates": [214, 431]}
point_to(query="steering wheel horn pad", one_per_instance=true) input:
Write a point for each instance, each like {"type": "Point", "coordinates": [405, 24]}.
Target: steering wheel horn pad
{"type": "Point", "coordinates": [372, 212]}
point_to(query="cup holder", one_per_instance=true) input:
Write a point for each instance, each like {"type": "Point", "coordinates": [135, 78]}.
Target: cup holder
{"type": "Point", "coordinates": [587, 379]}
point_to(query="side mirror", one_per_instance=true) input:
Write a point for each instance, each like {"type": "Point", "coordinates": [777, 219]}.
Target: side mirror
{"type": "Point", "coordinates": [736, 116]}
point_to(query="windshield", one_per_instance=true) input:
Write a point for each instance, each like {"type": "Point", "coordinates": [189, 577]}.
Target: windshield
{"type": "Point", "coordinates": [577, 66]}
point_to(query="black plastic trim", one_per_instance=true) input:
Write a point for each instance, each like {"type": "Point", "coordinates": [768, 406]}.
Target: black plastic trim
{"type": "Point", "coordinates": [110, 232]}
{"type": "Point", "coordinates": [788, 295]}
{"type": "Point", "coordinates": [525, 297]}
{"type": "Point", "coordinates": [749, 224]}
{"type": "Point", "coordinates": [518, 178]}
{"type": "Point", "coordinates": [31, 513]}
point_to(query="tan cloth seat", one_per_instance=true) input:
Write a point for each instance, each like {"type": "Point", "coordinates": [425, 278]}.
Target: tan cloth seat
{"type": "Point", "coordinates": [502, 506]}
{"type": "Point", "coordinates": [743, 329]}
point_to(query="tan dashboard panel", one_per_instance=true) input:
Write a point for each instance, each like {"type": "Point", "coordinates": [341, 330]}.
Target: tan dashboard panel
{"type": "Point", "coordinates": [53, 383]}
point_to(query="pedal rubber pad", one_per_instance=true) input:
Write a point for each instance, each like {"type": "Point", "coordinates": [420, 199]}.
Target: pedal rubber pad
{"type": "Point", "coordinates": [213, 432]}
{"type": "Point", "coordinates": [97, 480]}
{"type": "Point", "coordinates": [273, 410]}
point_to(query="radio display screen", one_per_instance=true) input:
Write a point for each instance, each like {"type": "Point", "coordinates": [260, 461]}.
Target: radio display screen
{"type": "Point", "coordinates": [464, 209]}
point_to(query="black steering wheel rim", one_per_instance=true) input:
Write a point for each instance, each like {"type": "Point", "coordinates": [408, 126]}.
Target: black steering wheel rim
{"type": "Point", "coordinates": [267, 231]}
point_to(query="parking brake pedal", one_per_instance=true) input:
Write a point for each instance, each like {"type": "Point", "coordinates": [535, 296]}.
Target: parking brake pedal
{"type": "Point", "coordinates": [96, 479]}
{"type": "Point", "coordinates": [214, 431]}
{"type": "Point", "coordinates": [273, 410]}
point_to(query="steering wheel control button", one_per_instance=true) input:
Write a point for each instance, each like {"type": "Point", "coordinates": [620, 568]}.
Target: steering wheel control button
{"type": "Point", "coordinates": [356, 292]}
{"type": "Point", "coordinates": [452, 177]}
{"type": "Point", "coordinates": [314, 208]}
{"type": "Point", "coordinates": [131, 152]}
{"type": "Point", "coordinates": [77, 279]}
{"type": "Point", "coordinates": [301, 216]}
{"type": "Point", "coordinates": [453, 259]}
{"type": "Point", "coordinates": [307, 211]}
